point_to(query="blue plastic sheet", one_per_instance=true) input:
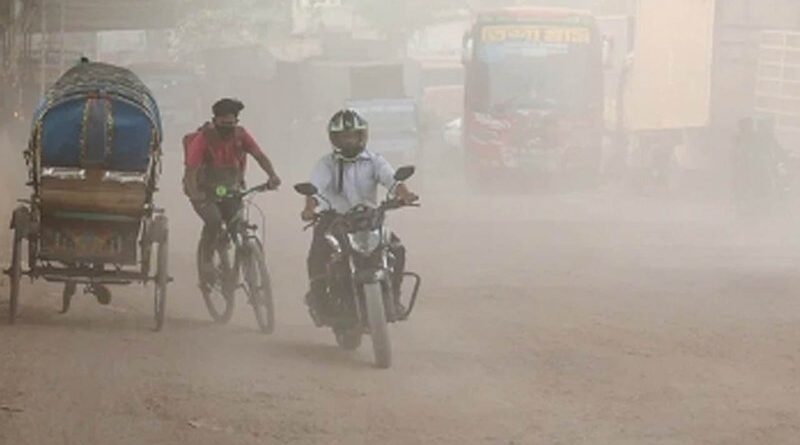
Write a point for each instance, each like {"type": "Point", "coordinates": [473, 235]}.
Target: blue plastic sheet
{"type": "Point", "coordinates": [98, 115]}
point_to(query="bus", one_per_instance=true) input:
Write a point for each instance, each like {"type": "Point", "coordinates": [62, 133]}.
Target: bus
{"type": "Point", "coordinates": [533, 95]}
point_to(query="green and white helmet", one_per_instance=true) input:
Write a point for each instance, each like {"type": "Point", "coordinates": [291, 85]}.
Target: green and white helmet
{"type": "Point", "coordinates": [348, 132]}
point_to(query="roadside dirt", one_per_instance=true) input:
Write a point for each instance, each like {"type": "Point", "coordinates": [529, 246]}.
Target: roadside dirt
{"type": "Point", "coordinates": [574, 319]}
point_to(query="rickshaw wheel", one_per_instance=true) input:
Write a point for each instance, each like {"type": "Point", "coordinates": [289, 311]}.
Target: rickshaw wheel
{"type": "Point", "coordinates": [161, 281]}
{"type": "Point", "coordinates": [15, 275]}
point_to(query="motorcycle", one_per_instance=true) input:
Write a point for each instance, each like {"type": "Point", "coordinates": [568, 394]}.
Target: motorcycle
{"type": "Point", "coordinates": [362, 296]}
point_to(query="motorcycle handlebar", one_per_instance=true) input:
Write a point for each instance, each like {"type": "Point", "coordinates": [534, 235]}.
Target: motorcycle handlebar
{"type": "Point", "coordinates": [385, 206]}
{"type": "Point", "coordinates": [394, 204]}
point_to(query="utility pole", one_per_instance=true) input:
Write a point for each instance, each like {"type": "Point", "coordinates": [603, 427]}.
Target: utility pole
{"type": "Point", "coordinates": [43, 40]}
{"type": "Point", "coordinates": [62, 37]}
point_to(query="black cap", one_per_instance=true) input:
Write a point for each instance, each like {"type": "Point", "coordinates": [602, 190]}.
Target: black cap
{"type": "Point", "coordinates": [224, 107]}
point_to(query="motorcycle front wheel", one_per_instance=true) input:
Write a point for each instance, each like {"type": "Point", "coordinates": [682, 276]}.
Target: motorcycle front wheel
{"type": "Point", "coordinates": [378, 326]}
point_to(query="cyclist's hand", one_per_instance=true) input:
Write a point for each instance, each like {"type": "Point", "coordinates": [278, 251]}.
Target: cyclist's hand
{"type": "Point", "coordinates": [273, 182]}
{"type": "Point", "coordinates": [308, 215]}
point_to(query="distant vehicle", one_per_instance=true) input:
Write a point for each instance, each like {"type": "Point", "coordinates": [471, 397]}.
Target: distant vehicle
{"type": "Point", "coordinates": [533, 97]}
{"type": "Point", "coordinates": [380, 92]}
{"type": "Point", "coordinates": [712, 63]}
{"type": "Point", "coordinates": [393, 127]}
{"type": "Point", "coordinates": [452, 134]}
{"type": "Point", "coordinates": [442, 97]}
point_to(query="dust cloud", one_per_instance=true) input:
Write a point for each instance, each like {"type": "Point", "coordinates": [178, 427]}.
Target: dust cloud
{"type": "Point", "coordinates": [607, 233]}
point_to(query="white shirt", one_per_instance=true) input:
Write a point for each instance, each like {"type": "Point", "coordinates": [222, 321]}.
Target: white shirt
{"type": "Point", "coordinates": [360, 179]}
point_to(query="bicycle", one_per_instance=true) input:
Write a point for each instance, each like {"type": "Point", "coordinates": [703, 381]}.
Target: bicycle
{"type": "Point", "coordinates": [246, 260]}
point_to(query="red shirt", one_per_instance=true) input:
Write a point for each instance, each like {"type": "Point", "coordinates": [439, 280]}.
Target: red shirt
{"type": "Point", "coordinates": [209, 149]}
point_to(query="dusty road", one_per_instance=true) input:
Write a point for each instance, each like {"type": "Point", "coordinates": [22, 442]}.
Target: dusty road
{"type": "Point", "coordinates": [571, 320]}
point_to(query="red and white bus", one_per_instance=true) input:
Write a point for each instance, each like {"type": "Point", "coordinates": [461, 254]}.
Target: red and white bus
{"type": "Point", "coordinates": [533, 94]}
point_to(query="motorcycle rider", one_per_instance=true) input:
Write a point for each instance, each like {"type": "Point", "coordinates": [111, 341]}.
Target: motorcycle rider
{"type": "Point", "coordinates": [756, 156]}
{"type": "Point", "coordinates": [347, 177]}
{"type": "Point", "coordinates": [216, 155]}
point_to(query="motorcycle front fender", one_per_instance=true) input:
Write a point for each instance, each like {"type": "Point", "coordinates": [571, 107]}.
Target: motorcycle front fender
{"type": "Point", "coordinates": [371, 269]}
{"type": "Point", "coordinates": [370, 276]}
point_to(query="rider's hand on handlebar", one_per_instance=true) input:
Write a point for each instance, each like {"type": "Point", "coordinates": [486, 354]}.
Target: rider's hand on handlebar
{"type": "Point", "coordinates": [308, 215]}
{"type": "Point", "coordinates": [411, 199]}
{"type": "Point", "coordinates": [404, 195]}
{"type": "Point", "coordinates": [407, 198]}
{"type": "Point", "coordinates": [273, 182]}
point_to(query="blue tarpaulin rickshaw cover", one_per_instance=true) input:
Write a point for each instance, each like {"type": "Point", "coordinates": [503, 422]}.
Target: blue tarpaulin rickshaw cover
{"type": "Point", "coordinates": [97, 115]}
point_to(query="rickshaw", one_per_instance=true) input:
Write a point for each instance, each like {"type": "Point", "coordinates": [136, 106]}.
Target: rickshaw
{"type": "Point", "coordinates": [93, 161]}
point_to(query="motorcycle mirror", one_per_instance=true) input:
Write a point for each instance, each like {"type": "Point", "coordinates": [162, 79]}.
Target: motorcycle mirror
{"type": "Point", "coordinates": [306, 189]}
{"type": "Point", "coordinates": [404, 173]}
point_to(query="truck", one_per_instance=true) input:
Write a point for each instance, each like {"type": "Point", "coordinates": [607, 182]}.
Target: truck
{"type": "Point", "coordinates": [533, 95]}
{"type": "Point", "coordinates": [379, 92]}
{"type": "Point", "coordinates": [777, 94]}
{"type": "Point", "coordinates": [692, 77]}
{"type": "Point", "coordinates": [386, 92]}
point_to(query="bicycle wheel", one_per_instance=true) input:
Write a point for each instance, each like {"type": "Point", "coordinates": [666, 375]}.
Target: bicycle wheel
{"type": "Point", "coordinates": [259, 286]}
{"type": "Point", "coordinates": [218, 297]}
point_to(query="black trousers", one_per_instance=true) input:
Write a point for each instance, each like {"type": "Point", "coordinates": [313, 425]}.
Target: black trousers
{"type": "Point", "coordinates": [213, 215]}
{"type": "Point", "coordinates": [320, 253]}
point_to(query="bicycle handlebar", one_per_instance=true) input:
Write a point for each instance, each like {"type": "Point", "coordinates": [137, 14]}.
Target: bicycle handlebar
{"type": "Point", "coordinates": [229, 194]}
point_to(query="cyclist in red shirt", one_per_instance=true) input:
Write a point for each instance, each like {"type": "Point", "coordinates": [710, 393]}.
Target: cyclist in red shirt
{"type": "Point", "coordinates": [216, 155]}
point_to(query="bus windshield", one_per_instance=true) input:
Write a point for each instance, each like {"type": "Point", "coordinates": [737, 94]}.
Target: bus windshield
{"type": "Point", "coordinates": [536, 66]}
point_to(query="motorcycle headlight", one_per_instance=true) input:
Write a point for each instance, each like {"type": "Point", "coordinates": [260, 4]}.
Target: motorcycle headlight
{"type": "Point", "coordinates": [365, 242]}
{"type": "Point", "coordinates": [333, 243]}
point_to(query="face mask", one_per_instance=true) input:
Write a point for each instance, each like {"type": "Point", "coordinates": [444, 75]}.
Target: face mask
{"type": "Point", "coordinates": [225, 130]}
{"type": "Point", "coordinates": [351, 152]}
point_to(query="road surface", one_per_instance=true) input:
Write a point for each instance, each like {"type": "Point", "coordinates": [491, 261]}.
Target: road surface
{"type": "Point", "coordinates": [578, 319]}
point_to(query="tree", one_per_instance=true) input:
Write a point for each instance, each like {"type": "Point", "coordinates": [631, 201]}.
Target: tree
{"type": "Point", "coordinates": [215, 25]}
{"type": "Point", "coordinates": [402, 17]}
